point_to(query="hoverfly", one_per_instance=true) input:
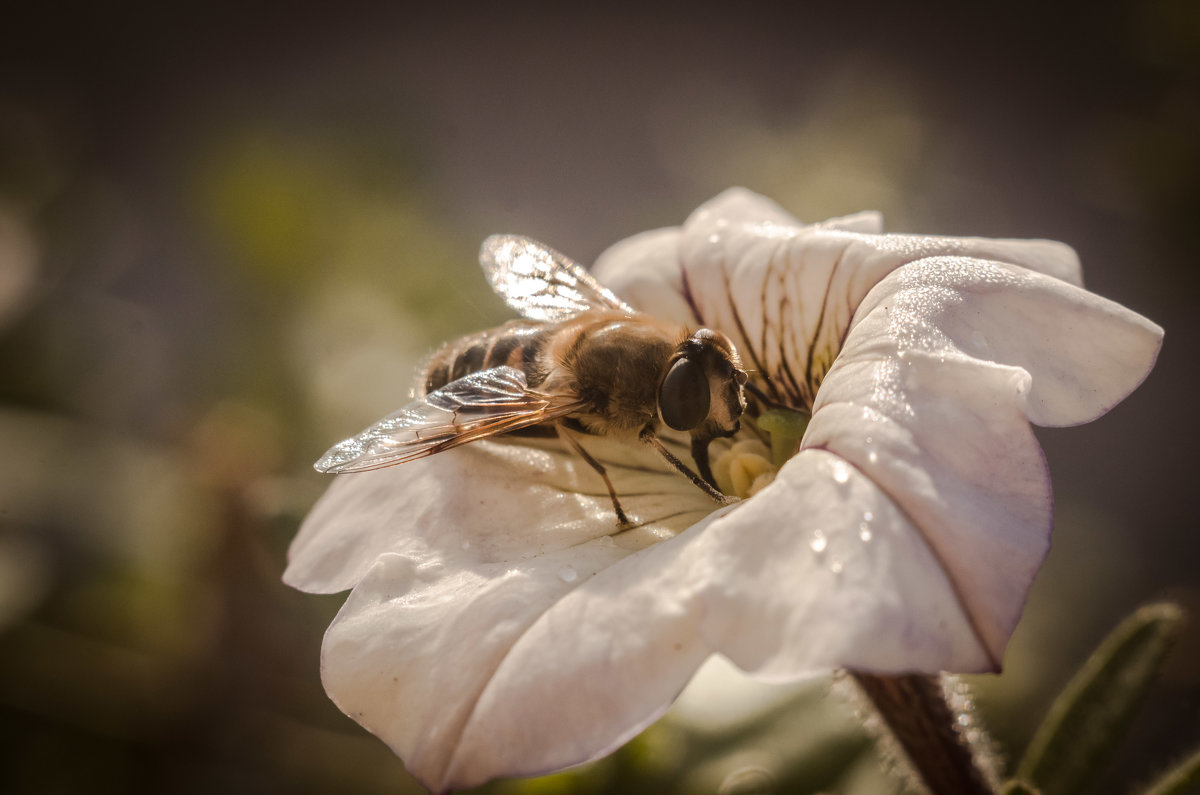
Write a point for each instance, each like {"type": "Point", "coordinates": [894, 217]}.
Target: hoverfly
{"type": "Point", "coordinates": [581, 361]}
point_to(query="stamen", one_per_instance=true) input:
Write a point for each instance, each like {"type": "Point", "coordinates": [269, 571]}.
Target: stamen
{"type": "Point", "coordinates": [744, 469]}
{"type": "Point", "coordinates": [785, 428]}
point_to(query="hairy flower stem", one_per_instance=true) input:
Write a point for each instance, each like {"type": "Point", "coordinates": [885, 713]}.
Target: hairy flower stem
{"type": "Point", "coordinates": [916, 713]}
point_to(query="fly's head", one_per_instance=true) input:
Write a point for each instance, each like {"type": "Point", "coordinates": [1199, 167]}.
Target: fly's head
{"type": "Point", "coordinates": [702, 389]}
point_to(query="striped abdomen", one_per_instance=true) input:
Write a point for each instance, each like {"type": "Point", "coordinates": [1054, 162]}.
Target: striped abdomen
{"type": "Point", "coordinates": [517, 343]}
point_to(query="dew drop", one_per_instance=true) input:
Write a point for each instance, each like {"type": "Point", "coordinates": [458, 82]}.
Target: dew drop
{"type": "Point", "coordinates": [841, 472]}
{"type": "Point", "coordinates": [819, 541]}
{"type": "Point", "coordinates": [836, 567]}
{"type": "Point", "coordinates": [868, 516]}
{"type": "Point", "coordinates": [714, 238]}
{"type": "Point", "coordinates": [873, 456]}
{"type": "Point", "coordinates": [567, 573]}
{"type": "Point", "coordinates": [864, 532]}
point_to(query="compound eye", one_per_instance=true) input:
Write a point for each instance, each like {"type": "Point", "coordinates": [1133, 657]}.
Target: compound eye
{"type": "Point", "coordinates": [683, 397]}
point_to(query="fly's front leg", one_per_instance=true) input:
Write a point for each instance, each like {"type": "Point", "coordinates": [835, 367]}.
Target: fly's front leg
{"type": "Point", "coordinates": [565, 435]}
{"type": "Point", "coordinates": [700, 456]}
{"type": "Point", "coordinates": [648, 436]}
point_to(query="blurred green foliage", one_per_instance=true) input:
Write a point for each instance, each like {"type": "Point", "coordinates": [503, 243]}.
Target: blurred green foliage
{"type": "Point", "coordinates": [150, 488]}
{"type": "Point", "coordinates": [1088, 720]}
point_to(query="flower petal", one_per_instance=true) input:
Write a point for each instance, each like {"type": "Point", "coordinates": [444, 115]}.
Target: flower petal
{"type": "Point", "coordinates": [475, 671]}
{"type": "Point", "coordinates": [947, 363]}
{"type": "Point", "coordinates": [448, 570]}
{"type": "Point", "coordinates": [473, 505]}
{"type": "Point", "coordinates": [416, 642]}
{"type": "Point", "coordinates": [1084, 352]}
{"type": "Point", "coordinates": [819, 570]}
{"type": "Point", "coordinates": [646, 272]}
{"type": "Point", "coordinates": [868, 222]}
{"type": "Point", "coordinates": [784, 292]}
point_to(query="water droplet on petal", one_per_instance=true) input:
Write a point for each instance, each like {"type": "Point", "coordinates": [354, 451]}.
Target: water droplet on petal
{"type": "Point", "coordinates": [864, 532]}
{"type": "Point", "coordinates": [836, 567]}
{"type": "Point", "coordinates": [868, 516]}
{"type": "Point", "coordinates": [873, 456]}
{"type": "Point", "coordinates": [567, 573]}
{"type": "Point", "coordinates": [841, 472]}
{"type": "Point", "coordinates": [819, 542]}
{"type": "Point", "coordinates": [714, 238]}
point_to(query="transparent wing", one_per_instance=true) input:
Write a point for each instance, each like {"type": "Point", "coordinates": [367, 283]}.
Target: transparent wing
{"type": "Point", "coordinates": [541, 283]}
{"type": "Point", "coordinates": [474, 407]}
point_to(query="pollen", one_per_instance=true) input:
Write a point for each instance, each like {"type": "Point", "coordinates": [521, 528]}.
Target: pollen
{"type": "Point", "coordinates": [744, 469]}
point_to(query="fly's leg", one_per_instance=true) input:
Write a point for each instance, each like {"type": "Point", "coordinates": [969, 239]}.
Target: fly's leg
{"type": "Point", "coordinates": [649, 438]}
{"type": "Point", "coordinates": [565, 435]}
{"type": "Point", "coordinates": [700, 456]}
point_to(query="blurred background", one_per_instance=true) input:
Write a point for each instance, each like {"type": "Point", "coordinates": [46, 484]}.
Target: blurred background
{"type": "Point", "coordinates": [229, 233]}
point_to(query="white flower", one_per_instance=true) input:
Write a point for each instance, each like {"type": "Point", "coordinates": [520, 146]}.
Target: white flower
{"type": "Point", "coordinates": [497, 628]}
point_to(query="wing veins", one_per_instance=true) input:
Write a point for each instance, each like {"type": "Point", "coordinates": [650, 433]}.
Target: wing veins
{"type": "Point", "coordinates": [541, 283]}
{"type": "Point", "coordinates": [479, 405]}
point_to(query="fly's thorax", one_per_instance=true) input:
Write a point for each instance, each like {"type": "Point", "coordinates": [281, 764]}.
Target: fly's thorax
{"type": "Point", "coordinates": [614, 363]}
{"type": "Point", "coordinates": [516, 344]}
